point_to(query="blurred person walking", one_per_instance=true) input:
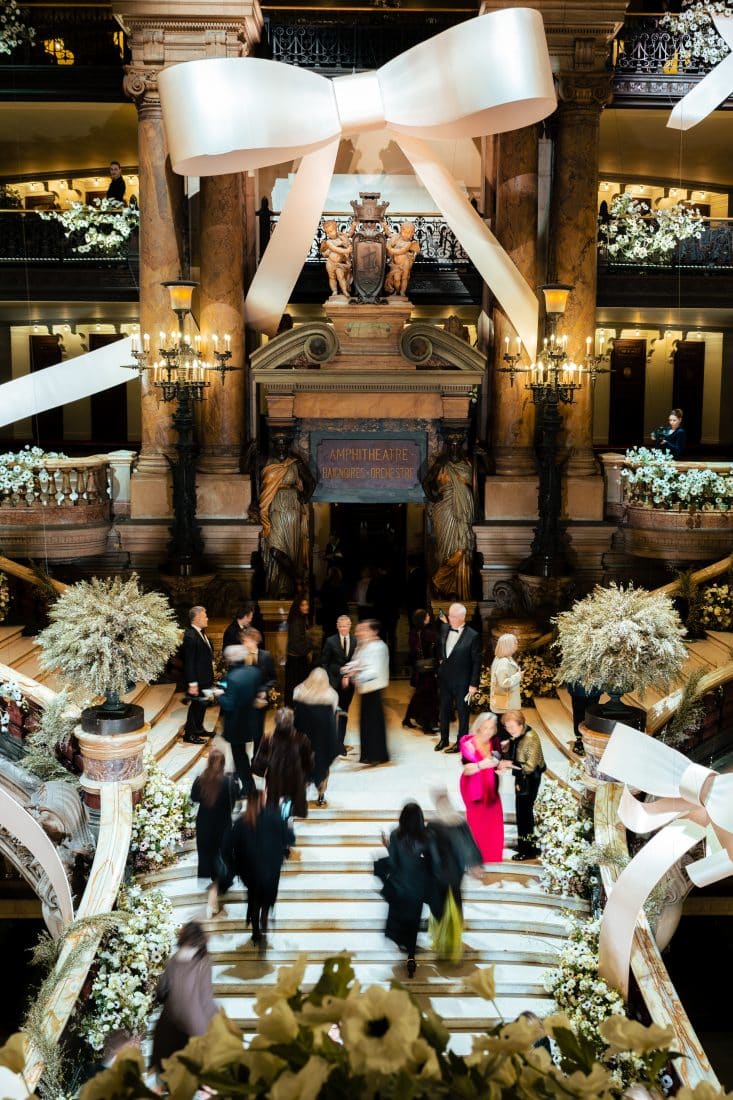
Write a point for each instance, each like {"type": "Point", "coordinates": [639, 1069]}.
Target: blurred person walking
{"type": "Point", "coordinates": [261, 840]}
{"type": "Point", "coordinates": [262, 660]}
{"type": "Point", "coordinates": [216, 792]}
{"type": "Point", "coordinates": [370, 671]}
{"type": "Point", "coordinates": [185, 989]}
{"type": "Point", "coordinates": [244, 684]}
{"type": "Point", "coordinates": [285, 759]}
{"type": "Point", "coordinates": [404, 872]}
{"type": "Point", "coordinates": [314, 710]}
{"type": "Point", "coordinates": [422, 710]}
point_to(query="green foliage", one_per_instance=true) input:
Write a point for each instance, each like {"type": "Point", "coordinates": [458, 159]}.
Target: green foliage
{"type": "Point", "coordinates": [106, 634]}
{"type": "Point", "coordinates": [56, 727]}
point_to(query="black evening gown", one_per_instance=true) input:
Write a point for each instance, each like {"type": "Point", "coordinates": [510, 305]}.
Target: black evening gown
{"type": "Point", "coordinates": [317, 721]}
{"type": "Point", "coordinates": [211, 824]}
{"type": "Point", "coordinates": [424, 704]}
{"type": "Point", "coordinates": [373, 729]}
{"type": "Point", "coordinates": [406, 891]}
{"type": "Point", "coordinates": [258, 853]}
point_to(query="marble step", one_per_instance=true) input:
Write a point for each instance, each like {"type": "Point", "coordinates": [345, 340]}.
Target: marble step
{"type": "Point", "coordinates": [7, 635]}
{"type": "Point", "coordinates": [351, 922]}
{"type": "Point", "coordinates": [555, 726]}
{"type": "Point", "coordinates": [19, 650]}
{"type": "Point", "coordinates": [249, 974]}
{"type": "Point", "coordinates": [226, 946]}
{"type": "Point", "coordinates": [710, 650]}
{"type": "Point", "coordinates": [154, 699]}
{"type": "Point", "coordinates": [459, 1014]}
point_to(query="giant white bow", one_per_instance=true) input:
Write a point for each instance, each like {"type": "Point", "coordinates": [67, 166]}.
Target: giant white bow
{"type": "Point", "coordinates": [486, 75]}
{"type": "Point", "coordinates": [712, 89]}
{"type": "Point", "coordinates": [693, 803]}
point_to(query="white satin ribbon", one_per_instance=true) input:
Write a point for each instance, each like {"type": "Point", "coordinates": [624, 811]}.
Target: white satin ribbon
{"type": "Point", "coordinates": [693, 803]}
{"type": "Point", "coordinates": [58, 385]}
{"type": "Point", "coordinates": [712, 90]}
{"type": "Point", "coordinates": [486, 75]}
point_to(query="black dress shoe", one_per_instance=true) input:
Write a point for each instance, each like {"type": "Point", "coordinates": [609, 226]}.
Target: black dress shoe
{"type": "Point", "coordinates": [521, 857]}
{"type": "Point", "coordinates": [440, 746]}
{"type": "Point", "coordinates": [411, 966]}
{"type": "Point", "coordinates": [452, 748]}
{"type": "Point", "coordinates": [194, 739]}
{"type": "Point", "coordinates": [409, 725]}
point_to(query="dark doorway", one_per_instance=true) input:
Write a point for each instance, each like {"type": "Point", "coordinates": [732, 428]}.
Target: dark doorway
{"type": "Point", "coordinates": [371, 536]}
{"type": "Point", "coordinates": [109, 408]}
{"type": "Point", "coordinates": [687, 385]}
{"type": "Point", "coordinates": [48, 427]}
{"type": "Point", "coordinates": [628, 381]}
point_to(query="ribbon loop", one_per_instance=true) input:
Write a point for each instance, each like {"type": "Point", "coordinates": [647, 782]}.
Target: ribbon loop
{"type": "Point", "coordinates": [700, 807]}
{"type": "Point", "coordinates": [712, 90]}
{"type": "Point", "coordinates": [236, 114]}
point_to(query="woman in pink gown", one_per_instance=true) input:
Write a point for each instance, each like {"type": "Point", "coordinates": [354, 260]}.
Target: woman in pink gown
{"type": "Point", "coordinates": [480, 753]}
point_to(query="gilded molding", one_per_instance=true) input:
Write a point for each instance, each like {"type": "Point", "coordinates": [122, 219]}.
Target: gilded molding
{"type": "Point", "coordinates": [584, 91]}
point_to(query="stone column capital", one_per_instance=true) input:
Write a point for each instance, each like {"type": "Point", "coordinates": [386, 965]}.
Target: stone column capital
{"type": "Point", "coordinates": [141, 86]}
{"type": "Point", "coordinates": [584, 91]}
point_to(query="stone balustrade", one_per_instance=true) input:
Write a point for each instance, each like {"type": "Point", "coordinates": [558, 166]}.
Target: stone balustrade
{"type": "Point", "coordinates": [64, 512]}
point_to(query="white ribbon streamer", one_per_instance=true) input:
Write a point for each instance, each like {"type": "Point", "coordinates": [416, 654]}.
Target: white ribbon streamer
{"type": "Point", "coordinates": [484, 76]}
{"type": "Point", "coordinates": [58, 385]}
{"type": "Point", "coordinates": [712, 90]}
{"type": "Point", "coordinates": [693, 803]}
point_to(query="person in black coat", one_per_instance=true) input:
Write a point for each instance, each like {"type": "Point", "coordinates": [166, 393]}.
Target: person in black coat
{"type": "Point", "coordinates": [240, 622]}
{"type": "Point", "coordinates": [261, 659]}
{"type": "Point", "coordinates": [244, 683]}
{"type": "Point", "coordinates": [261, 840]}
{"type": "Point", "coordinates": [216, 792]}
{"type": "Point", "coordinates": [337, 651]}
{"type": "Point", "coordinates": [459, 671]}
{"type": "Point", "coordinates": [198, 671]}
{"type": "Point", "coordinates": [422, 710]}
{"type": "Point", "coordinates": [297, 661]}
{"type": "Point", "coordinates": [406, 881]}
{"type": "Point", "coordinates": [314, 709]}
{"type": "Point", "coordinates": [117, 185]}
{"type": "Point", "coordinates": [674, 438]}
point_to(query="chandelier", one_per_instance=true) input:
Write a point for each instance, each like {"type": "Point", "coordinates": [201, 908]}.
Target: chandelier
{"type": "Point", "coordinates": [185, 366]}
{"type": "Point", "coordinates": [553, 376]}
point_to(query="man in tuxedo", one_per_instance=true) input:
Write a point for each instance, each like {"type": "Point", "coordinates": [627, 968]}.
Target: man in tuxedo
{"type": "Point", "coordinates": [198, 669]}
{"type": "Point", "coordinates": [459, 671]}
{"type": "Point", "coordinates": [338, 650]}
{"type": "Point", "coordinates": [240, 622]}
{"type": "Point", "coordinates": [261, 659]}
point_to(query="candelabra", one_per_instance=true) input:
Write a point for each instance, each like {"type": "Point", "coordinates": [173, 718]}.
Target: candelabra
{"type": "Point", "coordinates": [182, 373]}
{"type": "Point", "coordinates": [553, 380]}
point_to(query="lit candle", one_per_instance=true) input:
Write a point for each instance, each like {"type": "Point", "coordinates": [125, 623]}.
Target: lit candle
{"type": "Point", "coordinates": [545, 343]}
{"type": "Point", "coordinates": [197, 342]}
{"type": "Point", "coordinates": [215, 341]}
{"type": "Point", "coordinates": [227, 341]}
{"type": "Point", "coordinates": [133, 342]}
{"type": "Point", "coordinates": [146, 341]}
{"type": "Point", "coordinates": [587, 345]}
{"type": "Point", "coordinates": [564, 342]}
{"type": "Point", "coordinates": [161, 336]}
{"type": "Point", "coordinates": [519, 345]}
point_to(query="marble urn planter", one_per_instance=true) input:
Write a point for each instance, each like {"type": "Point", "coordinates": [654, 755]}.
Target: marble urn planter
{"type": "Point", "coordinates": [672, 535]}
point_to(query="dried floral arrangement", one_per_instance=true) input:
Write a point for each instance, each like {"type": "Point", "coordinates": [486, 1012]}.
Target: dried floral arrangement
{"type": "Point", "coordinates": [620, 639]}
{"type": "Point", "coordinates": [107, 634]}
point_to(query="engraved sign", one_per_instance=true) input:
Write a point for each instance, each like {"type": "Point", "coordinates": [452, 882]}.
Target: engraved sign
{"type": "Point", "coordinates": [382, 467]}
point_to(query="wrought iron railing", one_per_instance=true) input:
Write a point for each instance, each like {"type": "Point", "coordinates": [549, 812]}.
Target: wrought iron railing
{"type": "Point", "coordinates": [438, 243]}
{"type": "Point", "coordinates": [24, 235]}
{"type": "Point", "coordinates": [84, 36]}
{"type": "Point", "coordinates": [365, 42]}
{"type": "Point", "coordinates": [713, 251]}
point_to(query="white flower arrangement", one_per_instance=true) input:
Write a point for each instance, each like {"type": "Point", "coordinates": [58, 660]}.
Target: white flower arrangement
{"type": "Point", "coordinates": [653, 480]}
{"type": "Point", "coordinates": [563, 830]}
{"type": "Point", "coordinates": [18, 467]}
{"type": "Point", "coordinates": [620, 639]}
{"type": "Point", "coordinates": [700, 45]}
{"type": "Point", "coordinates": [716, 608]}
{"type": "Point", "coordinates": [164, 817]}
{"type": "Point", "coordinates": [633, 233]}
{"type": "Point", "coordinates": [127, 967]}
{"type": "Point", "coordinates": [4, 597]}
{"type": "Point", "coordinates": [103, 227]}
{"type": "Point", "coordinates": [10, 693]}
{"type": "Point", "coordinates": [13, 30]}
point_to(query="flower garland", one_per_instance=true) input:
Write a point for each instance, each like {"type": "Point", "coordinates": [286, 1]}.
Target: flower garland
{"type": "Point", "coordinates": [13, 30]}
{"type": "Point", "coordinates": [4, 597]}
{"type": "Point", "coordinates": [633, 233]}
{"type": "Point", "coordinates": [699, 44]}
{"type": "Point", "coordinates": [17, 469]}
{"type": "Point", "coordinates": [563, 830]}
{"type": "Point", "coordinates": [653, 480]}
{"type": "Point", "coordinates": [104, 226]}
{"type": "Point", "coordinates": [11, 693]}
{"type": "Point", "coordinates": [128, 965]}
{"type": "Point", "coordinates": [164, 817]}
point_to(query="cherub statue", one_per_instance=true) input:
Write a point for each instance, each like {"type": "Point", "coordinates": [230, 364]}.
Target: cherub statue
{"type": "Point", "coordinates": [338, 249]}
{"type": "Point", "coordinates": [402, 249]}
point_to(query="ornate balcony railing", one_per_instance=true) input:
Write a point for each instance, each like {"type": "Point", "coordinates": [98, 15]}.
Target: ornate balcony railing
{"type": "Point", "coordinates": [713, 251]}
{"type": "Point", "coordinates": [365, 42]}
{"type": "Point", "coordinates": [24, 235]}
{"type": "Point", "coordinates": [647, 63]}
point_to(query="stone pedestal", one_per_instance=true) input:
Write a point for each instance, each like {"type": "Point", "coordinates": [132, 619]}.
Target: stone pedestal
{"type": "Point", "coordinates": [368, 330]}
{"type": "Point", "coordinates": [111, 758]}
{"type": "Point", "coordinates": [515, 498]}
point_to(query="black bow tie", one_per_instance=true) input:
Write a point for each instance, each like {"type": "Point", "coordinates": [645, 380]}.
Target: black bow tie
{"type": "Point", "coordinates": [453, 630]}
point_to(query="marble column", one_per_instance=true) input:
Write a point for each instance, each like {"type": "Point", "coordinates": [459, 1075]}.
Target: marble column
{"type": "Point", "coordinates": [221, 423]}
{"type": "Point", "coordinates": [161, 258]}
{"type": "Point", "coordinates": [516, 229]}
{"type": "Point", "coordinates": [573, 239]}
